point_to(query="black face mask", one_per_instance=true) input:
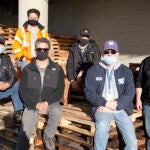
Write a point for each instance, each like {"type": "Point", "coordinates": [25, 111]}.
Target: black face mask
{"type": "Point", "coordinates": [83, 42]}
{"type": "Point", "coordinates": [42, 55]}
{"type": "Point", "coordinates": [32, 22]}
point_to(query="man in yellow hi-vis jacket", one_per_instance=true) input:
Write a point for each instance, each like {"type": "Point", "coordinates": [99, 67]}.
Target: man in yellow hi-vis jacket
{"type": "Point", "coordinates": [24, 41]}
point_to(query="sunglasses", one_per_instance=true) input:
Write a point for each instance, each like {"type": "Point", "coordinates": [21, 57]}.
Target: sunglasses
{"type": "Point", "coordinates": [110, 51]}
{"type": "Point", "coordinates": [42, 49]}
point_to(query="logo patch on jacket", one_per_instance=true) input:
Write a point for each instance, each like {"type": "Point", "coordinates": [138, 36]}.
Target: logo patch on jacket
{"type": "Point", "coordinates": [121, 81]}
{"type": "Point", "coordinates": [98, 78]}
{"type": "Point", "coordinates": [54, 69]}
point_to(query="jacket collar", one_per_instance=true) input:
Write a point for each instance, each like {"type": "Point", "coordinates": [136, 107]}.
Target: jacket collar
{"type": "Point", "coordinates": [40, 26]}
{"type": "Point", "coordinates": [76, 46]}
{"type": "Point", "coordinates": [34, 67]}
{"type": "Point", "coordinates": [103, 64]}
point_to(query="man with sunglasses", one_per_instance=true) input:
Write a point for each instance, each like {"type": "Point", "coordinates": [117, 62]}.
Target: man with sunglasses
{"type": "Point", "coordinates": [110, 90]}
{"type": "Point", "coordinates": [41, 89]}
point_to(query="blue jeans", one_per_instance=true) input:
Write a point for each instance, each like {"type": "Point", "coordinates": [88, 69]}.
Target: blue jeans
{"type": "Point", "coordinates": [146, 113]}
{"type": "Point", "coordinates": [13, 93]}
{"type": "Point", "coordinates": [124, 123]}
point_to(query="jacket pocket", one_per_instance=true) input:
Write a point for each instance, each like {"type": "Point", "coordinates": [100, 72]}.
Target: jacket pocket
{"type": "Point", "coordinates": [51, 78]}
{"type": "Point", "coordinates": [34, 80]}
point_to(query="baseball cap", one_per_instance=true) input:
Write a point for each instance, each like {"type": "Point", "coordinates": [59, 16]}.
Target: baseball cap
{"type": "Point", "coordinates": [2, 39]}
{"type": "Point", "coordinates": [85, 32]}
{"type": "Point", "coordinates": [111, 44]}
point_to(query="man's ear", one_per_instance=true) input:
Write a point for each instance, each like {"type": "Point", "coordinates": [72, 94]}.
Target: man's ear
{"type": "Point", "coordinates": [117, 53]}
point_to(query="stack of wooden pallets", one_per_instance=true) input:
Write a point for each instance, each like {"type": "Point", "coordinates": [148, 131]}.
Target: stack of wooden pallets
{"type": "Point", "coordinates": [59, 53]}
{"type": "Point", "coordinates": [77, 128]}
{"type": "Point", "coordinates": [60, 48]}
{"type": "Point", "coordinates": [8, 33]}
{"type": "Point", "coordinates": [75, 131]}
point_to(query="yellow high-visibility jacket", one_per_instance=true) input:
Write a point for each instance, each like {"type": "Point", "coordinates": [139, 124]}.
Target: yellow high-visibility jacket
{"type": "Point", "coordinates": [22, 45]}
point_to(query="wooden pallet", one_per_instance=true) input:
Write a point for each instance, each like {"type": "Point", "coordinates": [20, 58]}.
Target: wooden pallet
{"type": "Point", "coordinates": [70, 137]}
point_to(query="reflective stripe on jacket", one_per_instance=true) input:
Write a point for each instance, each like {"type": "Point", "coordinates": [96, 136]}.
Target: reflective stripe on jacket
{"type": "Point", "coordinates": [23, 42]}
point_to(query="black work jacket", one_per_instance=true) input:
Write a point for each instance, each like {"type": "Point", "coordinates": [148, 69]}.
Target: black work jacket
{"type": "Point", "coordinates": [7, 71]}
{"type": "Point", "coordinates": [143, 80]}
{"type": "Point", "coordinates": [76, 62]}
{"type": "Point", "coordinates": [30, 88]}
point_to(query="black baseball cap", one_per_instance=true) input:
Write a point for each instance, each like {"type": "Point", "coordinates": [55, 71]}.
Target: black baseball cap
{"type": "Point", "coordinates": [85, 32]}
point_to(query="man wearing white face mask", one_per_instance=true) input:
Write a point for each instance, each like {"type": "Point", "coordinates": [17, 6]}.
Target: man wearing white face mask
{"type": "Point", "coordinates": [8, 84]}
{"type": "Point", "coordinates": [110, 90]}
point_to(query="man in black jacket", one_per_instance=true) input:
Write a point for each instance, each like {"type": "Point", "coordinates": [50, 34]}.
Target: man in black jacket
{"type": "Point", "coordinates": [143, 95]}
{"type": "Point", "coordinates": [8, 84]}
{"type": "Point", "coordinates": [82, 55]}
{"type": "Point", "coordinates": [41, 89]}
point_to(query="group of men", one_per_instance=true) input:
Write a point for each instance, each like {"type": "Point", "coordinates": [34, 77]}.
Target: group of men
{"type": "Point", "coordinates": [108, 85]}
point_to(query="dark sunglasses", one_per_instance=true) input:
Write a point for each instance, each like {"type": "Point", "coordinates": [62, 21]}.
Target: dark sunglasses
{"type": "Point", "coordinates": [42, 49]}
{"type": "Point", "coordinates": [110, 51]}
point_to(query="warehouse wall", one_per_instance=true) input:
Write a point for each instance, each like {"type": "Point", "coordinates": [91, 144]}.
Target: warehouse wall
{"type": "Point", "coordinates": [126, 21]}
{"type": "Point", "coordinates": [123, 20]}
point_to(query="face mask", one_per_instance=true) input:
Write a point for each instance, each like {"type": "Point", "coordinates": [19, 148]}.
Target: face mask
{"type": "Point", "coordinates": [42, 55]}
{"type": "Point", "coordinates": [33, 22]}
{"type": "Point", "coordinates": [83, 42]}
{"type": "Point", "coordinates": [2, 49]}
{"type": "Point", "coordinates": [110, 60]}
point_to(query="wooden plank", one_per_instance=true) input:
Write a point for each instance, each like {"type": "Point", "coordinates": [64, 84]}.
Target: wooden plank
{"type": "Point", "coordinates": [69, 145]}
{"type": "Point", "coordinates": [62, 54]}
{"type": "Point", "coordinates": [77, 114]}
{"type": "Point", "coordinates": [76, 108]}
{"type": "Point", "coordinates": [136, 114]}
{"type": "Point", "coordinates": [62, 43]}
{"type": "Point", "coordinates": [79, 106]}
{"type": "Point", "coordinates": [77, 130]}
{"type": "Point", "coordinates": [78, 121]}
{"type": "Point", "coordinates": [61, 36]}
{"type": "Point", "coordinates": [85, 122]}
{"type": "Point", "coordinates": [80, 113]}
{"type": "Point", "coordinates": [10, 138]}
{"type": "Point", "coordinates": [74, 138]}
{"type": "Point", "coordinates": [53, 40]}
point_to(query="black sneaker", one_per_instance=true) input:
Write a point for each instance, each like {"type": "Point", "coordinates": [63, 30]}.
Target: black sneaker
{"type": "Point", "coordinates": [49, 143]}
{"type": "Point", "coordinates": [18, 116]}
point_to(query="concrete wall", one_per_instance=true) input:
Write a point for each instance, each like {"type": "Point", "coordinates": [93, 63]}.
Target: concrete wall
{"type": "Point", "coordinates": [126, 21]}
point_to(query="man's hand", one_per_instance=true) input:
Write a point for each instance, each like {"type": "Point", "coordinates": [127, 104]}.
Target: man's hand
{"type": "Point", "coordinates": [138, 98]}
{"type": "Point", "coordinates": [138, 104]}
{"type": "Point", "coordinates": [4, 85]}
{"type": "Point", "coordinates": [111, 104]}
{"type": "Point", "coordinates": [42, 107]}
{"type": "Point", "coordinates": [104, 109]}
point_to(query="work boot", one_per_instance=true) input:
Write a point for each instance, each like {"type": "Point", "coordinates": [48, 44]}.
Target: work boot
{"type": "Point", "coordinates": [18, 116]}
{"type": "Point", "coordinates": [49, 143]}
